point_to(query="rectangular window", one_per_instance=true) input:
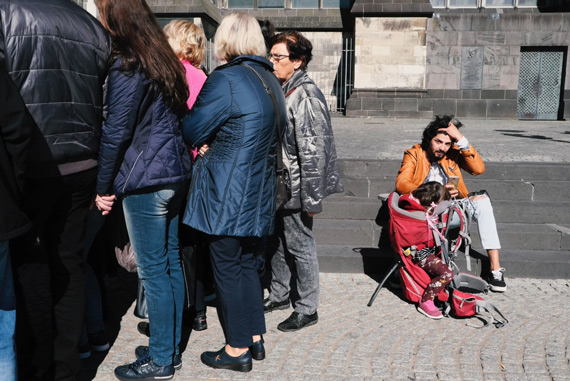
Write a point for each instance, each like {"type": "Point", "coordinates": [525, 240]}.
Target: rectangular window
{"type": "Point", "coordinates": [499, 3]}
{"type": "Point", "coordinates": [247, 4]}
{"type": "Point", "coordinates": [438, 3]}
{"type": "Point", "coordinates": [270, 3]}
{"type": "Point", "coordinates": [463, 3]}
{"type": "Point", "coordinates": [342, 4]}
{"type": "Point", "coordinates": [526, 3]}
{"type": "Point", "coordinates": [311, 4]}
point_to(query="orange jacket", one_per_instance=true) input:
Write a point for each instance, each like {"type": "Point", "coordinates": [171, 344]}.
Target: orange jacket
{"type": "Point", "coordinates": [415, 167]}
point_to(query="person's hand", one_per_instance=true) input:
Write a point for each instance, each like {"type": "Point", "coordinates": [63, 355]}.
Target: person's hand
{"type": "Point", "coordinates": [202, 150]}
{"type": "Point", "coordinates": [105, 203]}
{"type": "Point", "coordinates": [453, 132]}
{"type": "Point", "coordinates": [452, 190]}
{"type": "Point", "coordinates": [312, 214]}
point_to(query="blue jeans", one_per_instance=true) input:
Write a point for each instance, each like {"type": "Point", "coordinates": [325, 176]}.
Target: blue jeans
{"type": "Point", "coordinates": [152, 223]}
{"type": "Point", "coordinates": [7, 316]}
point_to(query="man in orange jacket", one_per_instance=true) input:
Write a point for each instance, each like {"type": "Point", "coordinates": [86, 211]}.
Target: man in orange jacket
{"type": "Point", "coordinates": [441, 156]}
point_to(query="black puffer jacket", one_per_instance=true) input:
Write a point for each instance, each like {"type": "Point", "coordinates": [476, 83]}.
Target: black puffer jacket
{"type": "Point", "coordinates": [57, 53]}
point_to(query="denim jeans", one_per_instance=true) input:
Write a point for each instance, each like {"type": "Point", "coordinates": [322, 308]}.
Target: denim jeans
{"type": "Point", "coordinates": [481, 211]}
{"type": "Point", "coordinates": [7, 316]}
{"type": "Point", "coordinates": [293, 239]}
{"type": "Point", "coordinates": [152, 223]}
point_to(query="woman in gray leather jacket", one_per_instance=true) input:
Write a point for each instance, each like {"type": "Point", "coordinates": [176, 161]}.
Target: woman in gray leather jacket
{"type": "Point", "coordinates": [310, 156]}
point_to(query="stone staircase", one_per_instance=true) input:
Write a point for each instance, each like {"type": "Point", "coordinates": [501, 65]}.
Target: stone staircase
{"type": "Point", "coordinates": [531, 203]}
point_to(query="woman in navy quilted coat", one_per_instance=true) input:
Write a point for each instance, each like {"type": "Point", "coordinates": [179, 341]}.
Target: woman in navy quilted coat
{"type": "Point", "coordinates": [232, 194]}
{"type": "Point", "coordinates": [144, 160]}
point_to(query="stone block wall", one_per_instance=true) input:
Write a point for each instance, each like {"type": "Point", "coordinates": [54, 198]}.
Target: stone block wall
{"type": "Point", "coordinates": [390, 53]}
{"type": "Point", "coordinates": [452, 38]}
{"type": "Point", "coordinates": [500, 36]}
{"type": "Point", "coordinates": [326, 63]}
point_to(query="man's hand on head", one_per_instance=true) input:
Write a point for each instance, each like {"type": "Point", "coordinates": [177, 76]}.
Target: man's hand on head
{"type": "Point", "coordinates": [453, 132]}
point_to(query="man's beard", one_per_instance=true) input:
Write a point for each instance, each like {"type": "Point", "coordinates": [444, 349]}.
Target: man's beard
{"type": "Point", "coordinates": [437, 155]}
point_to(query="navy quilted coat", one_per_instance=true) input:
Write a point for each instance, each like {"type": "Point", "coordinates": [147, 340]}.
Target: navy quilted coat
{"type": "Point", "coordinates": [141, 142]}
{"type": "Point", "coordinates": [233, 186]}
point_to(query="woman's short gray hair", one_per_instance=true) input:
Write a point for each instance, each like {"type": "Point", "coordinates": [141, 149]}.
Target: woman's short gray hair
{"type": "Point", "coordinates": [238, 34]}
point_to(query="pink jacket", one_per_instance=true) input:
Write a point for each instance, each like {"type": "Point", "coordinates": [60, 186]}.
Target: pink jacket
{"type": "Point", "coordinates": [195, 78]}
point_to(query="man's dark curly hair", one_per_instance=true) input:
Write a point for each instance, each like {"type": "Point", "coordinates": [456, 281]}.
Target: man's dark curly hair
{"type": "Point", "coordinates": [299, 47]}
{"type": "Point", "coordinates": [433, 128]}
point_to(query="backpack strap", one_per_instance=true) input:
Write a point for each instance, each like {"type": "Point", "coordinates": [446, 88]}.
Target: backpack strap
{"type": "Point", "coordinates": [481, 305]}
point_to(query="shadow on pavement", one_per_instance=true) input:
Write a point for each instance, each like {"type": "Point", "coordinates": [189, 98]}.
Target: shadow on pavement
{"type": "Point", "coordinates": [119, 294]}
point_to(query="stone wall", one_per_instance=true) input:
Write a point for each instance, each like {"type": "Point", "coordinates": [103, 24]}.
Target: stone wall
{"type": "Point", "coordinates": [325, 65]}
{"type": "Point", "coordinates": [499, 38]}
{"type": "Point", "coordinates": [390, 53]}
{"type": "Point", "coordinates": [471, 69]}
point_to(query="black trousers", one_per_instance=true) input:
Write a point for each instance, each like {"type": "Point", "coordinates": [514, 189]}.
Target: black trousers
{"type": "Point", "coordinates": [238, 288]}
{"type": "Point", "coordinates": [50, 277]}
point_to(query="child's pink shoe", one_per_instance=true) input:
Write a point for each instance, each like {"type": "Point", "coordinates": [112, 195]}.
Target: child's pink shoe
{"type": "Point", "coordinates": [429, 309]}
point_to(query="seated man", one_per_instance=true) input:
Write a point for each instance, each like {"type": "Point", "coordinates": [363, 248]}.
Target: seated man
{"type": "Point", "coordinates": [444, 151]}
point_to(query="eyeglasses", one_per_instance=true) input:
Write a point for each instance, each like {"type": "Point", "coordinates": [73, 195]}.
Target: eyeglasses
{"type": "Point", "coordinates": [276, 57]}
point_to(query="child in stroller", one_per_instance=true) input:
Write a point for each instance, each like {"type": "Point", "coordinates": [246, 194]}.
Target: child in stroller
{"type": "Point", "coordinates": [425, 198]}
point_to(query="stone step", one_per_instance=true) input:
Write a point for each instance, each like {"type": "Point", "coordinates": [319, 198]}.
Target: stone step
{"type": "Point", "coordinates": [375, 261]}
{"type": "Point", "coordinates": [540, 212]}
{"type": "Point", "coordinates": [547, 237]}
{"type": "Point", "coordinates": [493, 170]}
{"type": "Point", "coordinates": [514, 190]}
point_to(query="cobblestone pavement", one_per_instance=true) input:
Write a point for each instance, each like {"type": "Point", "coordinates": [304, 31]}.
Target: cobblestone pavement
{"type": "Point", "coordinates": [391, 340]}
{"type": "Point", "coordinates": [495, 140]}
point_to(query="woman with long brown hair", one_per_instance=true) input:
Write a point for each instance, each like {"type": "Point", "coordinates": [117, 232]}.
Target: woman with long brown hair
{"type": "Point", "coordinates": [144, 160]}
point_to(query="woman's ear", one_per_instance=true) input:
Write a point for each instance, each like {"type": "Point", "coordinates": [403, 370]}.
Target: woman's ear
{"type": "Point", "coordinates": [297, 64]}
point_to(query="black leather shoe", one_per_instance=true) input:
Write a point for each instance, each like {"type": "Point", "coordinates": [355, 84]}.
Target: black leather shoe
{"type": "Point", "coordinates": [269, 306]}
{"type": "Point", "coordinates": [200, 323]}
{"type": "Point", "coordinates": [221, 360]}
{"type": "Point", "coordinates": [258, 350]}
{"type": "Point", "coordinates": [142, 350]}
{"type": "Point", "coordinates": [144, 369]}
{"type": "Point", "coordinates": [144, 328]}
{"type": "Point", "coordinates": [297, 321]}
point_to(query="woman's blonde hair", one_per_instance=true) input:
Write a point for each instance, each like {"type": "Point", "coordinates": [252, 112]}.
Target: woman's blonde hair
{"type": "Point", "coordinates": [238, 34]}
{"type": "Point", "coordinates": [187, 40]}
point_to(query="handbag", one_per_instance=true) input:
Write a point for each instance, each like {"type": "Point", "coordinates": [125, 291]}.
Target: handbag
{"type": "Point", "coordinates": [188, 263]}
{"type": "Point", "coordinates": [282, 178]}
{"type": "Point", "coordinates": [141, 308]}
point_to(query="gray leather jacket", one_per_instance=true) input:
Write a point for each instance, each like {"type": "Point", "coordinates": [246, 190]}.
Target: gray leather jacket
{"type": "Point", "coordinates": [309, 151]}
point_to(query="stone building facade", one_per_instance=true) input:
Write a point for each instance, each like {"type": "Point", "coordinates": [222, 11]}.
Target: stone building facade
{"type": "Point", "coordinates": [480, 62]}
{"type": "Point", "coordinates": [419, 58]}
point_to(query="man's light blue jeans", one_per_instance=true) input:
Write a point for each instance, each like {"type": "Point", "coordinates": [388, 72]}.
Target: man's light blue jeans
{"type": "Point", "coordinates": [152, 223]}
{"type": "Point", "coordinates": [481, 211]}
{"type": "Point", "coordinates": [7, 316]}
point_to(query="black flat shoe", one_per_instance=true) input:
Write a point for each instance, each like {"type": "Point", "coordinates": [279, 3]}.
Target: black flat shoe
{"type": "Point", "coordinates": [257, 350]}
{"type": "Point", "coordinates": [144, 369]}
{"type": "Point", "coordinates": [298, 321]}
{"type": "Point", "coordinates": [144, 328]}
{"type": "Point", "coordinates": [200, 323]}
{"type": "Point", "coordinates": [269, 306]}
{"type": "Point", "coordinates": [221, 360]}
{"type": "Point", "coordinates": [142, 350]}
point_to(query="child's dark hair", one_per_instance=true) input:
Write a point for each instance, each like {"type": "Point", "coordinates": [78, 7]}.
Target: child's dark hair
{"type": "Point", "coordinates": [431, 192]}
